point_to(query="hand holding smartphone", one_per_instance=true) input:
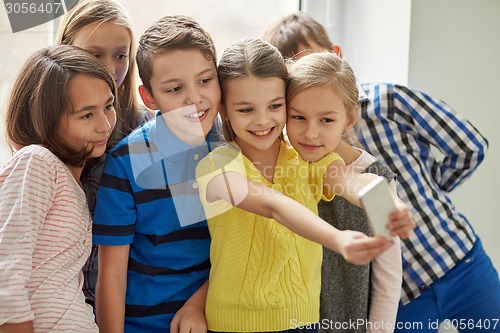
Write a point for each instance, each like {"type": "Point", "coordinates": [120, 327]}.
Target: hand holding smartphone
{"type": "Point", "coordinates": [378, 202]}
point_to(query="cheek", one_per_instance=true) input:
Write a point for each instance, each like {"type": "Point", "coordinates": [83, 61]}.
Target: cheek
{"type": "Point", "coordinates": [112, 119]}
{"type": "Point", "coordinates": [121, 72]}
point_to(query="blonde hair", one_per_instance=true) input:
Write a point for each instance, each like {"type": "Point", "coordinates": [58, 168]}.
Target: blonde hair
{"type": "Point", "coordinates": [176, 32]}
{"type": "Point", "coordinates": [293, 30]}
{"type": "Point", "coordinates": [88, 12]}
{"type": "Point", "coordinates": [249, 57]}
{"type": "Point", "coordinates": [39, 98]}
{"type": "Point", "coordinates": [325, 69]}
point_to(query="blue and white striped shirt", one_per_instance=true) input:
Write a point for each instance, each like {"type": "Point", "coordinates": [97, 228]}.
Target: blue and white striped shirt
{"type": "Point", "coordinates": [405, 128]}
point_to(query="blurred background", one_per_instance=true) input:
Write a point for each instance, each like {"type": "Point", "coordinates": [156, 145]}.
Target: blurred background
{"type": "Point", "coordinates": [445, 48]}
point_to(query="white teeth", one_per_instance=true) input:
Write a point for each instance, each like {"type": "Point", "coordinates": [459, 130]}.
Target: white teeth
{"type": "Point", "coordinates": [262, 133]}
{"type": "Point", "coordinates": [196, 115]}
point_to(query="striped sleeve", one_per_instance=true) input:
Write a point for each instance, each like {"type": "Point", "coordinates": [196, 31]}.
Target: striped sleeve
{"type": "Point", "coordinates": [27, 189]}
{"type": "Point", "coordinates": [115, 213]}
{"type": "Point", "coordinates": [436, 123]}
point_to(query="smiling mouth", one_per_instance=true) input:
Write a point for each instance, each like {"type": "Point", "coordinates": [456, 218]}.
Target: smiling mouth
{"type": "Point", "coordinates": [263, 133]}
{"type": "Point", "coordinates": [309, 147]}
{"type": "Point", "coordinates": [197, 115]}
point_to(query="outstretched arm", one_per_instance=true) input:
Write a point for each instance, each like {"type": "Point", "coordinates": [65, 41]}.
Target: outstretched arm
{"type": "Point", "coordinates": [345, 182]}
{"type": "Point", "coordinates": [259, 199]}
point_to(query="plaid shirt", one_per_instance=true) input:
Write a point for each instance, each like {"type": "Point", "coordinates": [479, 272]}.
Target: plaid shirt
{"type": "Point", "coordinates": [409, 130]}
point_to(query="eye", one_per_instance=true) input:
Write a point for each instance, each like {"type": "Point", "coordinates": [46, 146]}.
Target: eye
{"type": "Point", "coordinates": [245, 110]}
{"type": "Point", "coordinates": [327, 120]}
{"type": "Point", "coordinates": [122, 56]}
{"type": "Point", "coordinates": [87, 116]}
{"type": "Point", "coordinates": [297, 118]}
{"type": "Point", "coordinates": [205, 81]}
{"type": "Point", "coordinates": [275, 106]}
{"type": "Point", "coordinates": [174, 89]}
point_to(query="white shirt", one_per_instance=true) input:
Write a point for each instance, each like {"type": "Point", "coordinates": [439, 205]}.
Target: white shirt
{"type": "Point", "coordinates": [45, 238]}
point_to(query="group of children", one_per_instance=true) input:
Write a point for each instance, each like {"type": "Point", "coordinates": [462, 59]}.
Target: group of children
{"type": "Point", "coordinates": [194, 231]}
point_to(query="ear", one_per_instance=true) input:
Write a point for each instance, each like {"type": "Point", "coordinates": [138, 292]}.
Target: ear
{"type": "Point", "coordinates": [147, 98]}
{"type": "Point", "coordinates": [337, 49]}
{"type": "Point", "coordinates": [351, 119]}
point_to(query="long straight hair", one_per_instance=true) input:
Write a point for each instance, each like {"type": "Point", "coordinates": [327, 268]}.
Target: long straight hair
{"type": "Point", "coordinates": [39, 98]}
{"type": "Point", "coordinates": [88, 12]}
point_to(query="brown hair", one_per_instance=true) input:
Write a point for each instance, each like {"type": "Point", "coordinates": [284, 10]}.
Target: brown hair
{"type": "Point", "coordinates": [39, 98]}
{"type": "Point", "coordinates": [325, 69]}
{"type": "Point", "coordinates": [88, 12]}
{"type": "Point", "coordinates": [249, 57]}
{"type": "Point", "coordinates": [293, 30]}
{"type": "Point", "coordinates": [171, 33]}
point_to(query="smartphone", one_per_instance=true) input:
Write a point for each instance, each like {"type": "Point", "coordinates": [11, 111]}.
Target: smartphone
{"type": "Point", "coordinates": [378, 202]}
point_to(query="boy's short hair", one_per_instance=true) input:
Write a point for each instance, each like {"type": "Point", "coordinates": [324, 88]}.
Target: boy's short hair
{"type": "Point", "coordinates": [293, 30]}
{"type": "Point", "coordinates": [173, 32]}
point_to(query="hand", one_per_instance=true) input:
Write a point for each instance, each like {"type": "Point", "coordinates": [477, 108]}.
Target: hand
{"type": "Point", "coordinates": [189, 319]}
{"type": "Point", "coordinates": [401, 223]}
{"type": "Point", "coordinates": [359, 249]}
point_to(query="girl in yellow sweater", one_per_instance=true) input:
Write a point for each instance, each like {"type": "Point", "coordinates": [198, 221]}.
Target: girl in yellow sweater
{"type": "Point", "coordinates": [259, 197]}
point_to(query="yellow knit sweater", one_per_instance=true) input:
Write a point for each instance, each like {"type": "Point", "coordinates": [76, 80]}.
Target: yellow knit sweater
{"type": "Point", "coordinates": [263, 277]}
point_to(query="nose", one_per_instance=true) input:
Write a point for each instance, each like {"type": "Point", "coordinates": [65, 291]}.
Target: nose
{"type": "Point", "coordinates": [105, 122]}
{"type": "Point", "coordinates": [110, 65]}
{"type": "Point", "coordinates": [193, 96]}
{"type": "Point", "coordinates": [310, 131]}
{"type": "Point", "coordinates": [262, 117]}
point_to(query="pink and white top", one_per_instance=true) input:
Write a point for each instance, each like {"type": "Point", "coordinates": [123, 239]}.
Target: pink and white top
{"type": "Point", "coordinates": [45, 238]}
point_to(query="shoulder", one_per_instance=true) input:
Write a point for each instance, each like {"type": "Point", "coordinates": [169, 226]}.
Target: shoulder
{"type": "Point", "coordinates": [145, 115]}
{"type": "Point", "coordinates": [38, 157]}
{"type": "Point", "coordinates": [227, 156]}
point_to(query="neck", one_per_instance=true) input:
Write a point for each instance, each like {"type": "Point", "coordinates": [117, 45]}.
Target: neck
{"type": "Point", "coordinates": [76, 172]}
{"type": "Point", "coordinates": [348, 153]}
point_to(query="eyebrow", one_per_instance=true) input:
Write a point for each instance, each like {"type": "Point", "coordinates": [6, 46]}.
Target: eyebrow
{"type": "Point", "coordinates": [203, 72]}
{"type": "Point", "coordinates": [321, 113]}
{"type": "Point", "coordinates": [93, 107]}
{"type": "Point", "coordinates": [271, 101]}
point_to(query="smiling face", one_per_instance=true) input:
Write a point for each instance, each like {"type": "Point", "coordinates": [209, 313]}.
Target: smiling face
{"type": "Point", "coordinates": [110, 43]}
{"type": "Point", "coordinates": [317, 118]}
{"type": "Point", "coordinates": [186, 90]}
{"type": "Point", "coordinates": [256, 109]}
{"type": "Point", "coordinates": [89, 117]}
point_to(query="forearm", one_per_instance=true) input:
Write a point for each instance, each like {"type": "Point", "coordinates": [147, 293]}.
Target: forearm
{"type": "Point", "coordinates": [110, 293]}
{"type": "Point", "coordinates": [26, 327]}
{"type": "Point", "coordinates": [307, 224]}
{"type": "Point", "coordinates": [191, 316]}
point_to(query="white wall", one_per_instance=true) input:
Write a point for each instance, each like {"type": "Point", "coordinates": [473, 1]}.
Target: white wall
{"type": "Point", "coordinates": [374, 35]}
{"type": "Point", "coordinates": [447, 48]}
{"type": "Point", "coordinates": [454, 55]}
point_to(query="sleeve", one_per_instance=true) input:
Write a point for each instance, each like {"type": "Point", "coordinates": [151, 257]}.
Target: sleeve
{"type": "Point", "coordinates": [436, 123]}
{"type": "Point", "coordinates": [317, 175]}
{"type": "Point", "coordinates": [115, 213]}
{"type": "Point", "coordinates": [386, 279]}
{"type": "Point", "coordinates": [385, 291]}
{"type": "Point", "coordinates": [219, 161]}
{"type": "Point", "coordinates": [27, 189]}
